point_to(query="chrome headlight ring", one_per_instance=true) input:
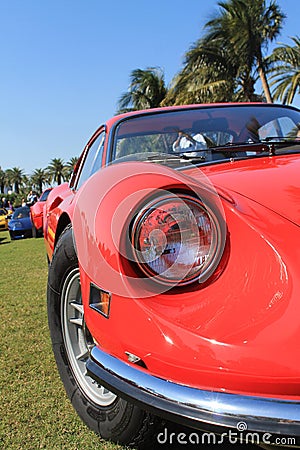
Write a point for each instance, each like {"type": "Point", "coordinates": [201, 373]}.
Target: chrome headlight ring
{"type": "Point", "coordinates": [177, 239]}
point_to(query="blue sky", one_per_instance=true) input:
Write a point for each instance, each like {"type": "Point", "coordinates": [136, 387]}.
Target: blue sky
{"type": "Point", "coordinates": [65, 63]}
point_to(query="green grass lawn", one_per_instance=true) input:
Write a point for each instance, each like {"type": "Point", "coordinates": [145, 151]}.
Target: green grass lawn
{"type": "Point", "coordinates": [35, 412]}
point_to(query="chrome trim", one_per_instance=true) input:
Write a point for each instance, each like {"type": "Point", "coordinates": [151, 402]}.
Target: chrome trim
{"type": "Point", "coordinates": [206, 269]}
{"type": "Point", "coordinates": [197, 408]}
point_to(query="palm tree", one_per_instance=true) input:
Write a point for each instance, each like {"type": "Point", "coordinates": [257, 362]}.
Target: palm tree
{"type": "Point", "coordinates": [285, 72]}
{"type": "Point", "coordinates": [56, 170]}
{"type": "Point", "coordinates": [210, 74]}
{"type": "Point", "coordinates": [2, 180]}
{"type": "Point", "coordinates": [147, 89]}
{"type": "Point", "coordinates": [245, 28]}
{"type": "Point", "coordinates": [224, 63]}
{"type": "Point", "coordinates": [15, 177]}
{"type": "Point", "coordinates": [26, 183]}
{"type": "Point", "coordinates": [69, 167]}
{"type": "Point", "coordinates": [38, 178]}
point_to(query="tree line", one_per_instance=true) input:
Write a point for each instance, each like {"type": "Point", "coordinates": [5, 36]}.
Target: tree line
{"type": "Point", "coordinates": [223, 65]}
{"type": "Point", "coordinates": [16, 184]}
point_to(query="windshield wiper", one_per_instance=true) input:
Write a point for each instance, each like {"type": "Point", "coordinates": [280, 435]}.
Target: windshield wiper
{"type": "Point", "coordinates": [259, 147]}
{"type": "Point", "coordinates": [174, 155]}
{"type": "Point", "coordinates": [268, 145]}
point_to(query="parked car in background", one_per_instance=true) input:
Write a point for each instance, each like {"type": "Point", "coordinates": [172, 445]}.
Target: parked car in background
{"type": "Point", "coordinates": [173, 285]}
{"type": "Point", "coordinates": [36, 214]}
{"type": "Point", "coordinates": [3, 219]}
{"type": "Point", "coordinates": [20, 226]}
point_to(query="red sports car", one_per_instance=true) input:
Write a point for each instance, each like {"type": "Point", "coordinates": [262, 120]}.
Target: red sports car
{"type": "Point", "coordinates": [174, 285]}
{"type": "Point", "coordinates": [36, 214]}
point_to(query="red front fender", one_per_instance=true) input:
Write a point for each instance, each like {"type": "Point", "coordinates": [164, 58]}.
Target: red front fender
{"type": "Point", "coordinates": [239, 333]}
{"type": "Point", "coordinates": [106, 205]}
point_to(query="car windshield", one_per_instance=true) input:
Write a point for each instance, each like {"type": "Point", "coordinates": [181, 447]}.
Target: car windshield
{"type": "Point", "coordinates": [3, 212]}
{"type": "Point", "coordinates": [44, 196]}
{"type": "Point", "coordinates": [205, 134]}
{"type": "Point", "coordinates": [21, 213]}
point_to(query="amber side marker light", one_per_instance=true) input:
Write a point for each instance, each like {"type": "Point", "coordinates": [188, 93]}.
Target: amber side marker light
{"type": "Point", "coordinates": [100, 300]}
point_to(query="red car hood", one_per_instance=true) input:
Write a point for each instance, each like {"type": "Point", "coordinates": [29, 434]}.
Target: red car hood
{"type": "Point", "coordinates": [273, 182]}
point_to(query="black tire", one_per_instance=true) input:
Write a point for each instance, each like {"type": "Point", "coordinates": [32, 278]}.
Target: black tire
{"type": "Point", "coordinates": [106, 414]}
{"type": "Point", "coordinates": [35, 232]}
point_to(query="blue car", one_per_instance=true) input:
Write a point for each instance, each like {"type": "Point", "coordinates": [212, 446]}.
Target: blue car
{"type": "Point", "coordinates": [20, 225]}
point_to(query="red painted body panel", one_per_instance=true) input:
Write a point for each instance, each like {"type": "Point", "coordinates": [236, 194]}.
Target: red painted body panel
{"type": "Point", "coordinates": [59, 202]}
{"type": "Point", "coordinates": [36, 212]}
{"type": "Point", "coordinates": [36, 215]}
{"type": "Point", "coordinates": [273, 182]}
{"type": "Point", "coordinates": [238, 332]}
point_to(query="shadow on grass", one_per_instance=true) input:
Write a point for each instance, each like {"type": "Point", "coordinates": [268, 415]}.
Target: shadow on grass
{"type": "Point", "coordinates": [4, 240]}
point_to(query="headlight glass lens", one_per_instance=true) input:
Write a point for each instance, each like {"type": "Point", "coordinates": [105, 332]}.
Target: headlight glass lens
{"type": "Point", "coordinates": [176, 239]}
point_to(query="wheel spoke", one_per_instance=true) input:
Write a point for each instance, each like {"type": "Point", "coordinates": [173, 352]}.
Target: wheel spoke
{"type": "Point", "coordinates": [83, 356]}
{"type": "Point", "coordinates": [77, 306]}
{"type": "Point", "coordinates": [78, 321]}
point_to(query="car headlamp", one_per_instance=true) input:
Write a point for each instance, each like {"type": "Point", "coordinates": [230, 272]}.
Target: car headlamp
{"type": "Point", "coordinates": [17, 225]}
{"type": "Point", "coordinates": [176, 239]}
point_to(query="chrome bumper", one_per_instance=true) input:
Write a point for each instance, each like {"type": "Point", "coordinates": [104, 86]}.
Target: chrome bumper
{"type": "Point", "coordinates": [199, 409]}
